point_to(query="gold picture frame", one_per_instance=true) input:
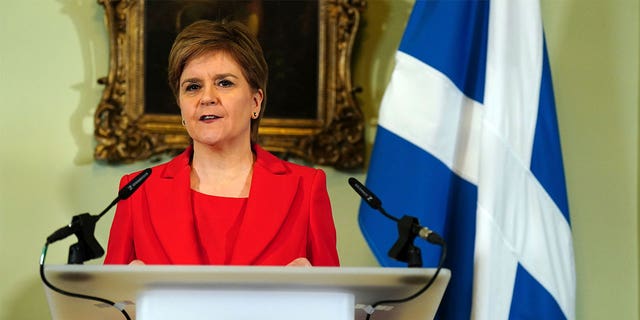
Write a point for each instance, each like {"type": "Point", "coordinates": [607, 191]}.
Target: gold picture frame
{"type": "Point", "coordinates": [331, 133]}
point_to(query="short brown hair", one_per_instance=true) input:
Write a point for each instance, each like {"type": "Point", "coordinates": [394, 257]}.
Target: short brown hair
{"type": "Point", "coordinates": [231, 37]}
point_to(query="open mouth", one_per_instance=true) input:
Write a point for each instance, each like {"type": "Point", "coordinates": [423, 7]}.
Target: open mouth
{"type": "Point", "coordinates": [208, 117]}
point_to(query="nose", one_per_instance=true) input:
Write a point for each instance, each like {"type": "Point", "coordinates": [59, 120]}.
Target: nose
{"type": "Point", "coordinates": [209, 96]}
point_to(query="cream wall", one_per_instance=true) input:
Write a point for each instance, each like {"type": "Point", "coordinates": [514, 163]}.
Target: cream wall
{"type": "Point", "coordinates": [594, 59]}
{"type": "Point", "coordinates": [53, 51]}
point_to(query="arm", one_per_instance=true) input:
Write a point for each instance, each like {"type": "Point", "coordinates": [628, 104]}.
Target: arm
{"type": "Point", "coordinates": [321, 246]}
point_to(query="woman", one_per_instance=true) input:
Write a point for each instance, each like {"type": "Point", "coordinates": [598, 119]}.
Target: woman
{"type": "Point", "coordinates": [224, 200]}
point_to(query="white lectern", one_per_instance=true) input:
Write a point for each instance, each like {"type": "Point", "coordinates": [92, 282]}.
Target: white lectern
{"type": "Point", "coordinates": [239, 293]}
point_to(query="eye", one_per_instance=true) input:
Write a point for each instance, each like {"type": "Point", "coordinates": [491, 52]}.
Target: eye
{"type": "Point", "coordinates": [191, 87]}
{"type": "Point", "coordinates": [225, 83]}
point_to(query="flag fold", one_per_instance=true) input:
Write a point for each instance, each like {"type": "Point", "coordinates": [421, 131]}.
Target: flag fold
{"type": "Point", "coordinates": [468, 143]}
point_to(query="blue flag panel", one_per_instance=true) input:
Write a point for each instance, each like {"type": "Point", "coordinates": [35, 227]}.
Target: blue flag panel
{"type": "Point", "coordinates": [483, 166]}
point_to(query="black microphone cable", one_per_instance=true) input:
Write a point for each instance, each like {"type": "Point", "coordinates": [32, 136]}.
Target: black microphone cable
{"type": "Point", "coordinates": [63, 233]}
{"type": "Point", "coordinates": [81, 225]}
{"type": "Point", "coordinates": [374, 202]}
{"type": "Point", "coordinates": [371, 308]}
{"type": "Point", "coordinates": [72, 294]}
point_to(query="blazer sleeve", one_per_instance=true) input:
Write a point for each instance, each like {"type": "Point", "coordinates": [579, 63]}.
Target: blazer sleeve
{"type": "Point", "coordinates": [120, 249]}
{"type": "Point", "coordinates": [321, 246]}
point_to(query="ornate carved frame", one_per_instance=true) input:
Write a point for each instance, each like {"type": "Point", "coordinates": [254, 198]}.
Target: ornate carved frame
{"type": "Point", "coordinates": [125, 133]}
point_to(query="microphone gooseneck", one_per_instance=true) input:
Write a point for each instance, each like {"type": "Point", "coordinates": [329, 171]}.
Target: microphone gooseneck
{"type": "Point", "coordinates": [134, 184]}
{"type": "Point", "coordinates": [128, 189]}
{"type": "Point", "coordinates": [87, 221]}
{"type": "Point", "coordinates": [370, 198]}
{"type": "Point", "coordinates": [366, 195]}
{"type": "Point", "coordinates": [83, 225]}
{"type": "Point", "coordinates": [87, 247]}
{"type": "Point", "coordinates": [408, 229]}
{"type": "Point", "coordinates": [403, 250]}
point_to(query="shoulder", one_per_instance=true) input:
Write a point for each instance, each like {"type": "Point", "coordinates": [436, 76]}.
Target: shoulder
{"type": "Point", "coordinates": [274, 165]}
{"type": "Point", "coordinates": [167, 169]}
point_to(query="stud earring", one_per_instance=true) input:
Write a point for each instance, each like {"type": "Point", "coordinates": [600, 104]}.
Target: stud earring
{"type": "Point", "coordinates": [255, 115]}
{"type": "Point", "coordinates": [184, 122]}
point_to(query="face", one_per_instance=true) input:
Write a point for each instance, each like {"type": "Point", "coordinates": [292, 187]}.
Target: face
{"type": "Point", "coordinates": [216, 101]}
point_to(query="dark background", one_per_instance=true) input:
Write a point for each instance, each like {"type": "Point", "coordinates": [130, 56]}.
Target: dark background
{"type": "Point", "coordinates": [288, 33]}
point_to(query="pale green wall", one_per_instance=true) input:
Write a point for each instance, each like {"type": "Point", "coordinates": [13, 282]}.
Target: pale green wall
{"type": "Point", "coordinates": [53, 51]}
{"type": "Point", "coordinates": [593, 48]}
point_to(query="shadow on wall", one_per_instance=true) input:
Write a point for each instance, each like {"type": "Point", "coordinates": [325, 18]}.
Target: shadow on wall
{"type": "Point", "coordinates": [88, 19]}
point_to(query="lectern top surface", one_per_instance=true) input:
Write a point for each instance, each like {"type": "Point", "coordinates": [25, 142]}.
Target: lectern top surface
{"type": "Point", "coordinates": [123, 283]}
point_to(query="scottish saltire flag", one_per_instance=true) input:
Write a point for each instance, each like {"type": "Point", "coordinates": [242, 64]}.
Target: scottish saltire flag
{"type": "Point", "coordinates": [468, 143]}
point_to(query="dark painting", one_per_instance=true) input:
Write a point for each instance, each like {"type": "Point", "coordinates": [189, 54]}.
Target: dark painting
{"type": "Point", "coordinates": [287, 31]}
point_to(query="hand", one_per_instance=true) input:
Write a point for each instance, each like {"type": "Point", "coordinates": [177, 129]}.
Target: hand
{"type": "Point", "coordinates": [136, 263]}
{"type": "Point", "coordinates": [300, 262]}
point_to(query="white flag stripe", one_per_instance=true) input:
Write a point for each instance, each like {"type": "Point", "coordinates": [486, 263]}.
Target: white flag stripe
{"type": "Point", "coordinates": [514, 207]}
{"type": "Point", "coordinates": [494, 271]}
{"type": "Point", "coordinates": [429, 111]}
{"type": "Point", "coordinates": [518, 206]}
{"type": "Point", "coordinates": [549, 261]}
{"type": "Point", "coordinates": [514, 69]}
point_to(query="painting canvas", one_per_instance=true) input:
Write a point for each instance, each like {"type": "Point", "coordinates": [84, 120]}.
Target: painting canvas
{"type": "Point", "coordinates": [287, 31]}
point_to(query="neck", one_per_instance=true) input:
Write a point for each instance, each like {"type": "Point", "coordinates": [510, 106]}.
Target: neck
{"type": "Point", "coordinates": [222, 172]}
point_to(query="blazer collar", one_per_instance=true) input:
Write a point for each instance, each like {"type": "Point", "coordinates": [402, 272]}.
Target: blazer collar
{"type": "Point", "coordinates": [273, 190]}
{"type": "Point", "coordinates": [265, 212]}
{"type": "Point", "coordinates": [178, 165]}
{"type": "Point", "coordinates": [264, 159]}
{"type": "Point", "coordinates": [170, 207]}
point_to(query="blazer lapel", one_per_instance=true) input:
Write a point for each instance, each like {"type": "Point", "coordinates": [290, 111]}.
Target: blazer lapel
{"type": "Point", "coordinates": [171, 212]}
{"type": "Point", "coordinates": [271, 195]}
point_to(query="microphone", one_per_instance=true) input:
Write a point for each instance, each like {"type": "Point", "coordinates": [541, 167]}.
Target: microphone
{"type": "Point", "coordinates": [408, 228]}
{"type": "Point", "coordinates": [403, 249]}
{"type": "Point", "coordinates": [83, 225]}
{"type": "Point", "coordinates": [368, 196]}
{"type": "Point", "coordinates": [134, 184]}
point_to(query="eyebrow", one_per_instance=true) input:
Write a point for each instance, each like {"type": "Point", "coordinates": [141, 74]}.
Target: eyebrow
{"type": "Point", "coordinates": [225, 75]}
{"type": "Point", "coordinates": [190, 80]}
{"type": "Point", "coordinates": [218, 76]}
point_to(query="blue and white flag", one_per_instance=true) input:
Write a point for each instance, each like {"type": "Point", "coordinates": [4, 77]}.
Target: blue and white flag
{"type": "Point", "coordinates": [468, 143]}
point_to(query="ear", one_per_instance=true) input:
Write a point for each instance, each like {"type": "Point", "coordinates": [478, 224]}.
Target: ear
{"type": "Point", "coordinates": [258, 96]}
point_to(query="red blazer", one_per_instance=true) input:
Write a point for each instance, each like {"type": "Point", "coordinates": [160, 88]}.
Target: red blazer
{"type": "Point", "coordinates": [288, 215]}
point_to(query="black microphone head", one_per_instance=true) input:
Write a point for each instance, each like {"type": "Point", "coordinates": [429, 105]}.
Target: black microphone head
{"type": "Point", "coordinates": [134, 184]}
{"type": "Point", "coordinates": [365, 193]}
